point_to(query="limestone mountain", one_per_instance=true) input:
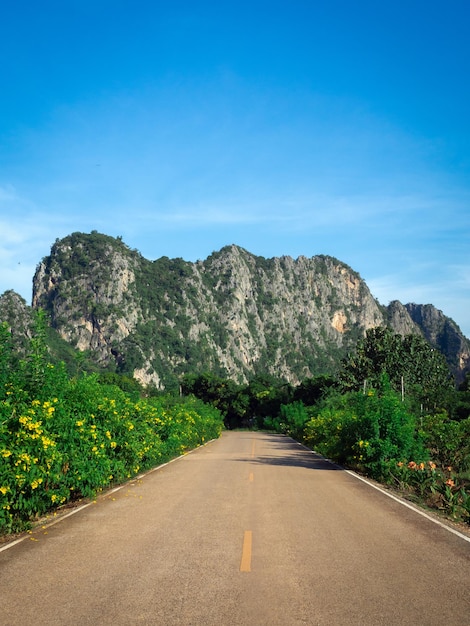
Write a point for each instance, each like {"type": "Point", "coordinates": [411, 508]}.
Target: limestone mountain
{"type": "Point", "coordinates": [234, 314]}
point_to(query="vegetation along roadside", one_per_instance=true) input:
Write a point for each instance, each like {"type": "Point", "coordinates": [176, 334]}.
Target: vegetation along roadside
{"type": "Point", "coordinates": [64, 438]}
{"type": "Point", "coordinates": [391, 412]}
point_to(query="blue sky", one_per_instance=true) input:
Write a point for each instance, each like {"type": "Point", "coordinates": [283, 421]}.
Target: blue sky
{"type": "Point", "coordinates": [288, 128]}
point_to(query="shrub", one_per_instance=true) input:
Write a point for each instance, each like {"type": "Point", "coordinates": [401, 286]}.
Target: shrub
{"type": "Point", "coordinates": [365, 431]}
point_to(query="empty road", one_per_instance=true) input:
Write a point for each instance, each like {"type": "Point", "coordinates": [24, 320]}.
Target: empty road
{"type": "Point", "coordinates": [251, 529]}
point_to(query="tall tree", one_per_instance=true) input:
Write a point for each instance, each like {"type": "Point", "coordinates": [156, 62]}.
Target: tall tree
{"type": "Point", "coordinates": [411, 364]}
{"type": "Point", "coordinates": [226, 395]}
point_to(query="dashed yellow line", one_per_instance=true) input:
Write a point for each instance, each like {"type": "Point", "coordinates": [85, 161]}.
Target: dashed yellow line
{"type": "Point", "coordinates": [251, 477]}
{"type": "Point", "coordinates": [245, 565]}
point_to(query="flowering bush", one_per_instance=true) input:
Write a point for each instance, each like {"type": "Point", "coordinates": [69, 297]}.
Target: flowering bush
{"type": "Point", "coordinates": [438, 487]}
{"type": "Point", "coordinates": [55, 450]}
{"type": "Point", "coordinates": [63, 438]}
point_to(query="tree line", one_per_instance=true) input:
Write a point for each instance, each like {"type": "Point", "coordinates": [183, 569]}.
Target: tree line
{"type": "Point", "coordinates": [415, 371]}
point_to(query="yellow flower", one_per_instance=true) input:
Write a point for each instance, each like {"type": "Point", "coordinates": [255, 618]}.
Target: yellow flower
{"type": "Point", "coordinates": [34, 426]}
{"type": "Point", "coordinates": [4, 489]}
{"type": "Point", "coordinates": [46, 442]}
{"type": "Point", "coordinates": [6, 453]}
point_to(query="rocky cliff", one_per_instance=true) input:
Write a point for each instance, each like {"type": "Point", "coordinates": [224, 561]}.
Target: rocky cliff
{"type": "Point", "coordinates": [17, 315]}
{"type": "Point", "coordinates": [234, 313]}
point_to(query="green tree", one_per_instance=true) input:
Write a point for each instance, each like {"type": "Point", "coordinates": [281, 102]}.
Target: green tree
{"type": "Point", "coordinates": [411, 364]}
{"type": "Point", "coordinates": [267, 394]}
{"type": "Point", "coordinates": [371, 431]}
{"type": "Point", "coordinates": [377, 353]}
{"type": "Point", "coordinates": [311, 390]}
{"type": "Point", "coordinates": [291, 420]}
{"type": "Point", "coordinates": [226, 395]}
{"type": "Point", "coordinates": [461, 408]}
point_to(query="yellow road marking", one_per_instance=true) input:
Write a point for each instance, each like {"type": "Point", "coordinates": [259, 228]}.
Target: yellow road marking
{"type": "Point", "coordinates": [245, 565]}
{"type": "Point", "coordinates": [251, 477]}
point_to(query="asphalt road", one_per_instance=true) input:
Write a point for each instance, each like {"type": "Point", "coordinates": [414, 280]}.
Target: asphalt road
{"type": "Point", "coordinates": [251, 529]}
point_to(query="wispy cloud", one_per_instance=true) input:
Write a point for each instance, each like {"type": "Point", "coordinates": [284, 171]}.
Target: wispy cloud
{"type": "Point", "coordinates": [178, 171]}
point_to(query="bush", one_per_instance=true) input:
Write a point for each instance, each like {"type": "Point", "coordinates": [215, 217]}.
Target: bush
{"type": "Point", "coordinates": [61, 449]}
{"type": "Point", "coordinates": [365, 431]}
{"type": "Point", "coordinates": [291, 420]}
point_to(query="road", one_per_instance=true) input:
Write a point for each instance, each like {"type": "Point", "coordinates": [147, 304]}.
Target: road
{"type": "Point", "coordinates": [251, 529]}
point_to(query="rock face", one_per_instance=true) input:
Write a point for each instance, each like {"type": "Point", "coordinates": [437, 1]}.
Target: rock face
{"type": "Point", "coordinates": [443, 333]}
{"type": "Point", "coordinates": [18, 316]}
{"type": "Point", "coordinates": [84, 285]}
{"type": "Point", "coordinates": [234, 313]}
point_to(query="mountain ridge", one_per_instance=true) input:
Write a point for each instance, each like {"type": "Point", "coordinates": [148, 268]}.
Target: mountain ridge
{"type": "Point", "coordinates": [234, 313]}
